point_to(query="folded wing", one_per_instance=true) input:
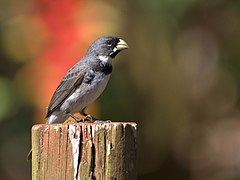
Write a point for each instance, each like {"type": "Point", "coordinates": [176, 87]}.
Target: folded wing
{"type": "Point", "coordinates": [71, 81]}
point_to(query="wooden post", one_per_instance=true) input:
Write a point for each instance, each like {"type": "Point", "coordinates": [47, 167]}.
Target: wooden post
{"type": "Point", "coordinates": [84, 151]}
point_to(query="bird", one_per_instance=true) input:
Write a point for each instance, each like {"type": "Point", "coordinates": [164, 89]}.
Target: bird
{"type": "Point", "coordinates": [85, 81]}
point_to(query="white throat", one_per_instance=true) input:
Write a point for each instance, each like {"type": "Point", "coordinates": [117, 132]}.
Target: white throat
{"type": "Point", "coordinates": [105, 59]}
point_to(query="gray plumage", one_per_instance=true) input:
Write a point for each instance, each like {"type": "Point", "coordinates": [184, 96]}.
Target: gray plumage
{"type": "Point", "coordinates": [85, 81]}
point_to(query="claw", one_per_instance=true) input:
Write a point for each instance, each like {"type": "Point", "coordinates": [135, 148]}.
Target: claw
{"type": "Point", "coordinates": [89, 118]}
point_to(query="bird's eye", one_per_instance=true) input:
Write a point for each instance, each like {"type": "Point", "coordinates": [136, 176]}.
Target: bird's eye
{"type": "Point", "coordinates": [109, 43]}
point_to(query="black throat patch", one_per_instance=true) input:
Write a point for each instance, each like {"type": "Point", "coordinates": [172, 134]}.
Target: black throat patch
{"type": "Point", "coordinates": [105, 68]}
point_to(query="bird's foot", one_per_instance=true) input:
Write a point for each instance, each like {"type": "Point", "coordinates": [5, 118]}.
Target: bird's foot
{"type": "Point", "coordinates": [89, 118]}
{"type": "Point", "coordinates": [92, 119]}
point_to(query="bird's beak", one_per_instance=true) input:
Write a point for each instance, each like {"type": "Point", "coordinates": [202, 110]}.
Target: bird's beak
{"type": "Point", "coordinates": [122, 45]}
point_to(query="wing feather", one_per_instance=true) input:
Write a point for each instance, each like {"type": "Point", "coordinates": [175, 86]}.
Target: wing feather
{"type": "Point", "coordinates": [70, 82]}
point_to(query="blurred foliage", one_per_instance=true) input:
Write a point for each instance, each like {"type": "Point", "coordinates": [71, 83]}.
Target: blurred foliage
{"type": "Point", "coordinates": [180, 80]}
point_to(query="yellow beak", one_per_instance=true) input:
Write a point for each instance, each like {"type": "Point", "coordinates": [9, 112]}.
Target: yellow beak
{"type": "Point", "coordinates": [122, 45]}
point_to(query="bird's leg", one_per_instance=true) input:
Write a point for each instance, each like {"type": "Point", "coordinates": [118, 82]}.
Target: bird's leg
{"type": "Point", "coordinates": [91, 118]}
{"type": "Point", "coordinates": [82, 112]}
{"type": "Point", "coordinates": [87, 116]}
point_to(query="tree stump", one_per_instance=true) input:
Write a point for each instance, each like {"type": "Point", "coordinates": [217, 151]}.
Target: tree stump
{"type": "Point", "coordinates": [98, 151]}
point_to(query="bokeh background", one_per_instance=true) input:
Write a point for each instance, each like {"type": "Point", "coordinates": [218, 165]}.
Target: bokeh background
{"type": "Point", "coordinates": [180, 80]}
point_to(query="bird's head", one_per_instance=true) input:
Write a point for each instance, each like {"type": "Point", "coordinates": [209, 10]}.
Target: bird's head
{"type": "Point", "coordinates": [108, 46]}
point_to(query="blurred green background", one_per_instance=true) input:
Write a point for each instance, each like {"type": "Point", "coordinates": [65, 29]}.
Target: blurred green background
{"type": "Point", "coordinates": [180, 80]}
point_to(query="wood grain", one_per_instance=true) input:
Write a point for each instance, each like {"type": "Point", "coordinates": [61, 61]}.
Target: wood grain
{"type": "Point", "coordinates": [84, 151]}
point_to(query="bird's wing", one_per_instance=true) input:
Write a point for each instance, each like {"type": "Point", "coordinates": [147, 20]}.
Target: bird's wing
{"type": "Point", "coordinates": [70, 82]}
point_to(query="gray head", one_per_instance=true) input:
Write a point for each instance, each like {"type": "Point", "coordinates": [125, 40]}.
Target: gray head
{"type": "Point", "coordinates": [108, 46]}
